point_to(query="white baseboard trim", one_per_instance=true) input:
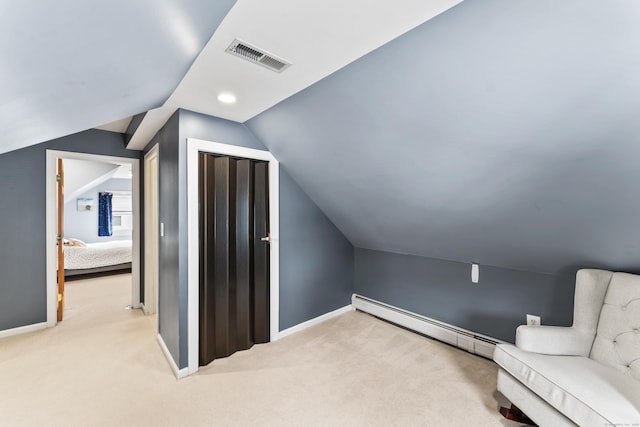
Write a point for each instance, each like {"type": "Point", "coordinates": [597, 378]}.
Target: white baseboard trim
{"type": "Point", "coordinates": [144, 309]}
{"type": "Point", "coordinates": [23, 329]}
{"type": "Point", "coordinates": [179, 373]}
{"type": "Point", "coordinates": [304, 325]}
{"type": "Point", "coordinates": [467, 340]}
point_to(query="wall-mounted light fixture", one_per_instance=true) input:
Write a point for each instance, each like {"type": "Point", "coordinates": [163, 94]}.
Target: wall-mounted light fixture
{"type": "Point", "coordinates": [475, 273]}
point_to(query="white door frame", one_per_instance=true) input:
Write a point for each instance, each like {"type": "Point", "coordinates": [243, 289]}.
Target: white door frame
{"type": "Point", "coordinates": [150, 308]}
{"type": "Point", "coordinates": [51, 253]}
{"type": "Point", "coordinates": [194, 147]}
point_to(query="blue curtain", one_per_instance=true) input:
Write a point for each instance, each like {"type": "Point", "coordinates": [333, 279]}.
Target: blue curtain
{"type": "Point", "coordinates": [105, 218]}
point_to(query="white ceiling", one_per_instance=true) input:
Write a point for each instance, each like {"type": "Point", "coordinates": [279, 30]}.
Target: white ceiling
{"type": "Point", "coordinates": [123, 172]}
{"type": "Point", "coordinates": [82, 175]}
{"type": "Point", "coordinates": [117, 126]}
{"type": "Point", "coordinates": [317, 37]}
{"type": "Point", "coordinates": [70, 65]}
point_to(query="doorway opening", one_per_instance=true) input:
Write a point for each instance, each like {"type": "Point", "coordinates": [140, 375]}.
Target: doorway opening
{"type": "Point", "coordinates": [101, 208]}
{"type": "Point", "coordinates": [194, 148]}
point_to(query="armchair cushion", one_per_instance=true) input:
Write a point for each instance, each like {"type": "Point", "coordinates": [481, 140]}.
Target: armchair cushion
{"type": "Point", "coordinates": [554, 340]}
{"type": "Point", "coordinates": [587, 392]}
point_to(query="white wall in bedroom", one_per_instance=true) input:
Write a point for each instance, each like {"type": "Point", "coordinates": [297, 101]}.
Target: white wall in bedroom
{"type": "Point", "coordinates": [83, 225]}
{"type": "Point", "coordinates": [82, 175]}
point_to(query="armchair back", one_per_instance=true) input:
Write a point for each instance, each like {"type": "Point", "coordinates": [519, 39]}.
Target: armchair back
{"type": "Point", "coordinates": [617, 340]}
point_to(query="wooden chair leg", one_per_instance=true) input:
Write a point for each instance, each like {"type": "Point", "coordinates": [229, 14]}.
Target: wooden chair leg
{"type": "Point", "coordinates": [515, 414]}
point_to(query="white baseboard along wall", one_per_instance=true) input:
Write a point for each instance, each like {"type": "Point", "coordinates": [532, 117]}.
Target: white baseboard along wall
{"type": "Point", "coordinates": [23, 329]}
{"type": "Point", "coordinates": [304, 325]}
{"type": "Point", "coordinates": [470, 341]}
{"type": "Point", "coordinates": [179, 373]}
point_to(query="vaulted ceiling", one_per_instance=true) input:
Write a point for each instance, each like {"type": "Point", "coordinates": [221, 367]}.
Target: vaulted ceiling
{"type": "Point", "coordinates": [70, 65]}
{"type": "Point", "coordinates": [491, 131]}
{"type": "Point", "coordinates": [504, 133]}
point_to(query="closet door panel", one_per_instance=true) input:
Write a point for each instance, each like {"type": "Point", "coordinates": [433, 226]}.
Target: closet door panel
{"type": "Point", "coordinates": [224, 341]}
{"type": "Point", "coordinates": [244, 253]}
{"type": "Point", "coordinates": [261, 253]}
{"type": "Point", "coordinates": [234, 259]}
{"type": "Point", "coordinates": [207, 336]}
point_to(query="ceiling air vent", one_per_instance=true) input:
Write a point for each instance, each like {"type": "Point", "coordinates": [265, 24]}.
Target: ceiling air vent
{"type": "Point", "coordinates": [257, 56]}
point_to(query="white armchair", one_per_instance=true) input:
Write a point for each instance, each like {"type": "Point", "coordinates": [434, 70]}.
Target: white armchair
{"type": "Point", "coordinates": [587, 374]}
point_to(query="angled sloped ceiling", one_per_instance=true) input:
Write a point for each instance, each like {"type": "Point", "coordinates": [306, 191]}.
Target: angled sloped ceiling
{"type": "Point", "coordinates": [71, 65]}
{"type": "Point", "coordinates": [500, 132]}
{"type": "Point", "coordinates": [82, 175]}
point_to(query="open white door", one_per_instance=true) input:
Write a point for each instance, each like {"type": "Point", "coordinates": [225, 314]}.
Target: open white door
{"type": "Point", "coordinates": [151, 231]}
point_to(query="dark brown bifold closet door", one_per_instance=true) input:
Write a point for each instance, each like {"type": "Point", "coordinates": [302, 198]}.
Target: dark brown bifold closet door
{"type": "Point", "coordinates": [234, 258]}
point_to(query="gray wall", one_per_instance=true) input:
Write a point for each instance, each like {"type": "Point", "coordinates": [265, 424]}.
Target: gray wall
{"type": "Point", "coordinates": [443, 290]}
{"type": "Point", "coordinates": [83, 225]}
{"type": "Point", "coordinates": [168, 313]}
{"type": "Point", "coordinates": [479, 136]}
{"type": "Point", "coordinates": [316, 261]}
{"type": "Point", "coordinates": [22, 215]}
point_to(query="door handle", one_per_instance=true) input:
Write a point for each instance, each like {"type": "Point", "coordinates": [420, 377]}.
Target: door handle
{"type": "Point", "coordinates": [266, 239]}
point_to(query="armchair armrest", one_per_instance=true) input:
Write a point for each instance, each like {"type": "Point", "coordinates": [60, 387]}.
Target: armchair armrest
{"type": "Point", "coordinates": [554, 340]}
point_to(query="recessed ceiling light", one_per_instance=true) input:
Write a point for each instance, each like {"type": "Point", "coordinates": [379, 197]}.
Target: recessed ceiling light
{"type": "Point", "coordinates": [227, 98]}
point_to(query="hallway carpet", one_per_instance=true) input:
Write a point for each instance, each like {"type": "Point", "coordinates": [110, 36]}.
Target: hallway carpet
{"type": "Point", "coordinates": [102, 366]}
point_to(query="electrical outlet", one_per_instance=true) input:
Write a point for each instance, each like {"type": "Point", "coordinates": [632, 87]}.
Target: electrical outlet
{"type": "Point", "coordinates": [533, 320]}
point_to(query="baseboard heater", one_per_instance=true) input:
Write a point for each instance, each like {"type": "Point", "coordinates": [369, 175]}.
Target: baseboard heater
{"type": "Point", "coordinates": [467, 340]}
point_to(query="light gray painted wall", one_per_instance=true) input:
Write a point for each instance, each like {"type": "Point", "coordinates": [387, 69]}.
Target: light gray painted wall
{"type": "Point", "coordinates": [499, 132]}
{"type": "Point", "coordinates": [316, 264]}
{"type": "Point", "coordinates": [316, 260]}
{"type": "Point", "coordinates": [83, 225]}
{"type": "Point", "coordinates": [443, 290]}
{"type": "Point", "coordinates": [22, 256]}
{"type": "Point", "coordinates": [168, 281]}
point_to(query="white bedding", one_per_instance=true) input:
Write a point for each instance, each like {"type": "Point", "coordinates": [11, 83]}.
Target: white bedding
{"type": "Point", "coordinates": [97, 255]}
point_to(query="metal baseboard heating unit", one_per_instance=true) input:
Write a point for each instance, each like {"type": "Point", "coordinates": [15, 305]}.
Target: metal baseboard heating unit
{"type": "Point", "coordinates": [467, 340]}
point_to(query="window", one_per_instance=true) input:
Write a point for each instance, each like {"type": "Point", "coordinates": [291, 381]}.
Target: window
{"type": "Point", "coordinates": [122, 208]}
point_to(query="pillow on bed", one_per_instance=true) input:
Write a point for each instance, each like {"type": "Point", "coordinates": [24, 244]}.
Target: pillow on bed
{"type": "Point", "coordinates": [75, 242]}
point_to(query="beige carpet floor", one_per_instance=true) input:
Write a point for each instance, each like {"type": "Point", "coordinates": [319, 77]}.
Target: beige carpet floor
{"type": "Point", "coordinates": [102, 366]}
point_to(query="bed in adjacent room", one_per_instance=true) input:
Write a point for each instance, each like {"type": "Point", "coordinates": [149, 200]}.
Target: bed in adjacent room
{"type": "Point", "coordinates": [88, 258]}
